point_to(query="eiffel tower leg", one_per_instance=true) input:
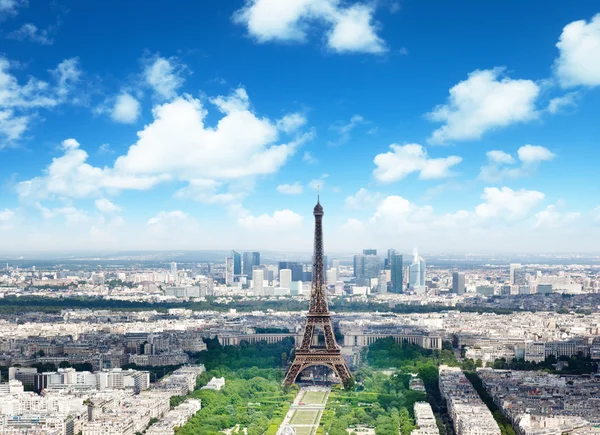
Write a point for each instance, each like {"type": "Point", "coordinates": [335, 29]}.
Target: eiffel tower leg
{"type": "Point", "coordinates": [293, 373]}
{"type": "Point", "coordinates": [330, 342]}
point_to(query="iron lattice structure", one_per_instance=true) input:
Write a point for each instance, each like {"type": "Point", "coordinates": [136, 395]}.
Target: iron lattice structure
{"type": "Point", "coordinates": [310, 353]}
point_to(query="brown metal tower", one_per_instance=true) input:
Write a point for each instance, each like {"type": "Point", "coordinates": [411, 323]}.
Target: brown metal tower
{"type": "Point", "coordinates": [311, 353]}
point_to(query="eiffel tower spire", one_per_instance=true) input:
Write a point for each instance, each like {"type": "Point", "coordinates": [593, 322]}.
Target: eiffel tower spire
{"type": "Point", "coordinates": [311, 354]}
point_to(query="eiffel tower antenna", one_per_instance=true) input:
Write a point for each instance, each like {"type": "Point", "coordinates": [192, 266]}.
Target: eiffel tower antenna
{"type": "Point", "coordinates": [310, 354]}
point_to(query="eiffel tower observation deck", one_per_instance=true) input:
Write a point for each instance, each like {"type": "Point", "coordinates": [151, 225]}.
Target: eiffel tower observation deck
{"type": "Point", "coordinates": [318, 318]}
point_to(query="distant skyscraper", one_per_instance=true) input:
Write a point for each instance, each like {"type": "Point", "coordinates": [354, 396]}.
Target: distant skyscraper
{"type": "Point", "coordinates": [387, 263]}
{"type": "Point", "coordinates": [296, 269]}
{"type": "Point", "coordinates": [335, 264]}
{"type": "Point", "coordinates": [397, 272]}
{"type": "Point", "coordinates": [366, 266]}
{"type": "Point", "coordinates": [251, 259]}
{"type": "Point", "coordinates": [513, 267]}
{"type": "Point", "coordinates": [285, 278]}
{"type": "Point", "coordinates": [174, 274]}
{"type": "Point", "coordinates": [237, 263]}
{"type": "Point", "coordinates": [229, 270]}
{"type": "Point", "coordinates": [458, 283]}
{"type": "Point", "coordinates": [417, 271]}
{"type": "Point", "coordinates": [258, 282]}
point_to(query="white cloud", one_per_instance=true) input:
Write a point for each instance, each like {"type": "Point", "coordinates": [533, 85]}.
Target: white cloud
{"type": "Point", "coordinates": [20, 103]}
{"type": "Point", "coordinates": [69, 176]}
{"type": "Point", "coordinates": [208, 192]}
{"type": "Point", "coordinates": [9, 7]}
{"type": "Point", "coordinates": [280, 221]}
{"type": "Point", "coordinates": [484, 101]}
{"type": "Point", "coordinates": [165, 216]}
{"type": "Point", "coordinates": [579, 54]}
{"type": "Point", "coordinates": [350, 29]}
{"type": "Point", "coordinates": [126, 109]}
{"type": "Point", "coordinates": [363, 198]}
{"type": "Point", "coordinates": [30, 32]}
{"type": "Point", "coordinates": [497, 156]}
{"type": "Point", "coordinates": [106, 206]}
{"type": "Point", "coordinates": [309, 158]}
{"type": "Point", "coordinates": [164, 76]}
{"type": "Point", "coordinates": [291, 122]}
{"type": "Point", "coordinates": [403, 160]}
{"type": "Point", "coordinates": [354, 31]}
{"type": "Point", "coordinates": [290, 189]}
{"type": "Point", "coordinates": [6, 219]}
{"type": "Point", "coordinates": [318, 184]}
{"type": "Point", "coordinates": [552, 218]}
{"type": "Point", "coordinates": [178, 143]}
{"type": "Point", "coordinates": [559, 103]}
{"type": "Point", "coordinates": [344, 129]}
{"type": "Point", "coordinates": [534, 153]}
{"type": "Point", "coordinates": [71, 214]}
{"type": "Point", "coordinates": [505, 203]}
{"type": "Point", "coordinates": [498, 167]}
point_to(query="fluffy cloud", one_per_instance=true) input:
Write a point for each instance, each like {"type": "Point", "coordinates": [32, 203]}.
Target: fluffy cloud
{"type": "Point", "coordinates": [344, 129]}
{"type": "Point", "coordinates": [318, 183]}
{"type": "Point", "coordinates": [354, 31]}
{"type": "Point", "coordinates": [20, 103]}
{"type": "Point", "coordinates": [351, 29]}
{"type": "Point", "coordinates": [557, 104]}
{"type": "Point", "coordinates": [9, 7]}
{"type": "Point", "coordinates": [6, 219]}
{"type": "Point", "coordinates": [534, 153]}
{"type": "Point", "coordinates": [309, 158]}
{"type": "Point", "coordinates": [280, 221]}
{"type": "Point", "coordinates": [403, 160]}
{"type": "Point", "coordinates": [164, 76]}
{"type": "Point", "coordinates": [505, 203]}
{"type": "Point", "coordinates": [209, 192]}
{"type": "Point", "coordinates": [126, 109]}
{"type": "Point", "coordinates": [484, 101]}
{"type": "Point", "coordinates": [179, 144]}
{"type": "Point", "coordinates": [499, 163]}
{"type": "Point", "coordinates": [552, 218]}
{"type": "Point", "coordinates": [291, 122]}
{"type": "Point", "coordinates": [106, 206]}
{"type": "Point", "coordinates": [290, 189]}
{"type": "Point", "coordinates": [30, 32]}
{"type": "Point", "coordinates": [579, 54]}
{"type": "Point", "coordinates": [363, 198]}
{"type": "Point", "coordinates": [69, 176]}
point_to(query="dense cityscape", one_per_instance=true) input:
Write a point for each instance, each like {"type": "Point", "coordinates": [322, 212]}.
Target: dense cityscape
{"type": "Point", "coordinates": [113, 369]}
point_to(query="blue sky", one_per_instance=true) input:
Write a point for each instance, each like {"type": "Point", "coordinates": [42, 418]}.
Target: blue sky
{"type": "Point", "coordinates": [452, 126]}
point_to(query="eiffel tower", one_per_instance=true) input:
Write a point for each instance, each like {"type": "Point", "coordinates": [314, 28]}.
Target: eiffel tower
{"type": "Point", "coordinates": [310, 354]}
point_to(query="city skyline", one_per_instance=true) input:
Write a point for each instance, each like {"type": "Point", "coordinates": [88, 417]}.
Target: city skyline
{"type": "Point", "coordinates": [220, 133]}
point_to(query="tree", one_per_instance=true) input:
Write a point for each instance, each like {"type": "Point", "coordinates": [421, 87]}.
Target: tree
{"type": "Point", "coordinates": [64, 364]}
{"type": "Point", "coordinates": [349, 384]}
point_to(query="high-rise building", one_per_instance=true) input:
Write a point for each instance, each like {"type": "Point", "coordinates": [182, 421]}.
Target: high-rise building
{"type": "Point", "coordinates": [335, 264]}
{"type": "Point", "coordinates": [229, 270]}
{"type": "Point", "coordinates": [296, 269]}
{"type": "Point", "coordinates": [331, 276]}
{"type": "Point", "coordinates": [174, 275]}
{"type": "Point", "coordinates": [387, 263]}
{"type": "Point", "coordinates": [237, 263]}
{"type": "Point", "coordinates": [397, 272]}
{"type": "Point", "coordinates": [366, 266]}
{"type": "Point", "coordinates": [458, 283]}
{"type": "Point", "coordinates": [417, 271]}
{"type": "Point", "coordinates": [251, 259]}
{"type": "Point", "coordinates": [258, 282]}
{"type": "Point", "coordinates": [513, 267]}
{"type": "Point", "coordinates": [285, 278]}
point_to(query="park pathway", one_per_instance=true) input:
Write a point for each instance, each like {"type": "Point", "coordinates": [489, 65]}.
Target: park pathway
{"type": "Point", "coordinates": [305, 412]}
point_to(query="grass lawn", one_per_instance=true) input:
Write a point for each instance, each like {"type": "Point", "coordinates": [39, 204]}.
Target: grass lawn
{"type": "Point", "coordinates": [304, 417]}
{"type": "Point", "coordinates": [314, 397]}
{"type": "Point", "coordinates": [306, 430]}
